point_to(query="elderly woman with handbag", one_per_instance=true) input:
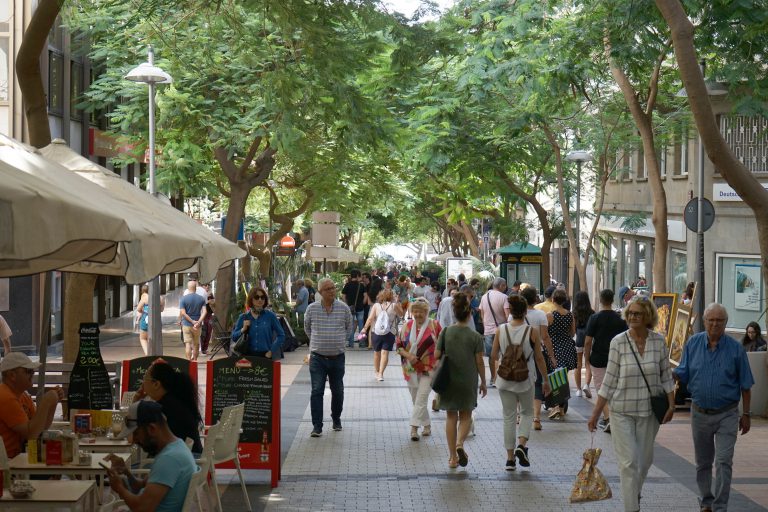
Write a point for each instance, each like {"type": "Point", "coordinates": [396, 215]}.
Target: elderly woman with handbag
{"type": "Point", "coordinates": [415, 345]}
{"type": "Point", "coordinates": [638, 385]}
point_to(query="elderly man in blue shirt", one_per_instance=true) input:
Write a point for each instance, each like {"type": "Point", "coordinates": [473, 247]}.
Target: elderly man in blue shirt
{"type": "Point", "coordinates": [716, 370]}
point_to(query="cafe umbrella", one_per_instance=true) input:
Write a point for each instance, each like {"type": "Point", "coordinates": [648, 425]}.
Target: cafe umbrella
{"type": "Point", "coordinates": [182, 235]}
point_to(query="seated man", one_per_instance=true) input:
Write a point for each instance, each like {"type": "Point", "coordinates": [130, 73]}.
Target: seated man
{"type": "Point", "coordinates": [165, 488]}
{"type": "Point", "coordinates": [20, 420]}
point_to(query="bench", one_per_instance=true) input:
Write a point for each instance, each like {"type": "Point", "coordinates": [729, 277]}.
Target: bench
{"type": "Point", "coordinates": [57, 374]}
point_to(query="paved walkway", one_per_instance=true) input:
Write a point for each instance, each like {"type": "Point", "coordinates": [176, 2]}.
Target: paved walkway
{"type": "Point", "coordinates": [373, 465]}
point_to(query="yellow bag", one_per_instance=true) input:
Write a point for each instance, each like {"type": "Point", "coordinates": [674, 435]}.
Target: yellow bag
{"type": "Point", "coordinates": [590, 484]}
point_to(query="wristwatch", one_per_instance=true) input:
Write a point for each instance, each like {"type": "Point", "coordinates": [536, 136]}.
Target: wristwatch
{"type": "Point", "coordinates": [747, 414]}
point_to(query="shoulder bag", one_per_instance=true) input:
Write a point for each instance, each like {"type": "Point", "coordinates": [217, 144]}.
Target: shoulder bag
{"type": "Point", "coordinates": [240, 347]}
{"type": "Point", "coordinates": [660, 402]}
{"type": "Point", "coordinates": [442, 376]}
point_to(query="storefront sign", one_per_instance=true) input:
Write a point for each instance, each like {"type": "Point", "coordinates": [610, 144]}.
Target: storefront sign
{"type": "Point", "coordinates": [724, 192]}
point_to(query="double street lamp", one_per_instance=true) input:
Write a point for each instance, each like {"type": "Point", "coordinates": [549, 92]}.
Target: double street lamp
{"type": "Point", "coordinates": [578, 156]}
{"type": "Point", "coordinates": [152, 75]}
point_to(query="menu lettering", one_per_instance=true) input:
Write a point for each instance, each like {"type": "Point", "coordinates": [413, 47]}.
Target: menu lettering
{"type": "Point", "coordinates": [134, 369]}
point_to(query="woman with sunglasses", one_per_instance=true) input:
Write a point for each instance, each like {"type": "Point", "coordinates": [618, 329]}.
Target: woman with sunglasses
{"type": "Point", "coordinates": [265, 335]}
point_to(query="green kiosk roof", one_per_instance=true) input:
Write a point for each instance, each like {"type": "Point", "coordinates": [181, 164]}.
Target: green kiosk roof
{"type": "Point", "coordinates": [519, 248]}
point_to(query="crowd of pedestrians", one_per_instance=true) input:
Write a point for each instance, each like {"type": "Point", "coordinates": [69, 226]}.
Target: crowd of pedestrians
{"type": "Point", "coordinates": [522, 339]}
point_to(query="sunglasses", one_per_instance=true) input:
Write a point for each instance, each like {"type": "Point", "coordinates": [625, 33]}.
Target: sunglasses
{"type": "Point", "coordinates": [259, 297]}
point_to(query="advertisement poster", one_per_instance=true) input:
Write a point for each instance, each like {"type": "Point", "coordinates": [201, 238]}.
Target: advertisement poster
{"type": "Point", "coordinates": [747, 287]}
{"type": "Point", "coordinates": [456, 266]}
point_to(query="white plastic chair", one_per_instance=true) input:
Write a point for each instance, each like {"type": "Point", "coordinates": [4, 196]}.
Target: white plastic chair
{"type": "Point", "coordinates": [225, 447]}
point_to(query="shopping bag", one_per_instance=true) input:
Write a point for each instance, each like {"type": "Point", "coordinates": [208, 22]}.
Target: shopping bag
{"type": "Point", "coordinates": [561, 390]}
{"type": "Point", "coordinates": [442, 377]}
{"type": "Point", "coordinates": [590, 484]}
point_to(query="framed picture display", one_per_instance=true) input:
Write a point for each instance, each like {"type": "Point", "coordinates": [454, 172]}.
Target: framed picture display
{"type": "Point", "coordinates": [680, 333]}
{"type": "Point", "coordinates": [666, 306]}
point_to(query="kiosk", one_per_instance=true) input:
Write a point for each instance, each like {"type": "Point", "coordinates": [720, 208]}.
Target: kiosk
{"type": "Point", "coordinates": [521, 262]}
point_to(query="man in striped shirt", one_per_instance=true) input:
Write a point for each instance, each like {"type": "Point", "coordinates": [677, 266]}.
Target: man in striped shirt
{"type": "Point", "coordinates": [328, 323]}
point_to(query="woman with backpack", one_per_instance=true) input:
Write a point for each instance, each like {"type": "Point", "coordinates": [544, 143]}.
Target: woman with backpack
{"type": "Point", "coordinates": [520, 348]}
{"type": "Point", "coordinates": [383, 317]}
{"type": "Point", "coordinates": [416, 348]}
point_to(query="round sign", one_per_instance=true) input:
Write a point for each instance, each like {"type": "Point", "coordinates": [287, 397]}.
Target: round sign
{"type": "Point", "coordinates": [287, 241]}
{"type": "Point", "coordinates": [691, 214]}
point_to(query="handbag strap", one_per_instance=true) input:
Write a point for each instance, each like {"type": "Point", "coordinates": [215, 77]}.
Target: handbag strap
{"type": "Point", "coordinates": [637, 360]}
{"type": "Point", "coordinates": [490, 306]}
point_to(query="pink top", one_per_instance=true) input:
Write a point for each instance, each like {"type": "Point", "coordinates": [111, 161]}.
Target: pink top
{"type": "Point", "coordinates": [498, 301]}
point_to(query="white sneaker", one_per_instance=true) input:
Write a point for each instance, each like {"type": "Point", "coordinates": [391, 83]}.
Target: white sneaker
{"type": "Point", "coordinates": [578, 393]}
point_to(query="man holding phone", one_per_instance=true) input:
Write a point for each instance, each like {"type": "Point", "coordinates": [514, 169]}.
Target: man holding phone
{"type": "Point", "coordinates": [165, 488]}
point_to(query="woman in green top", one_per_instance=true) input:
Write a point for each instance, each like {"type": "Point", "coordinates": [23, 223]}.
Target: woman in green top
{"type": "Point", "coordinates": [464, 348]}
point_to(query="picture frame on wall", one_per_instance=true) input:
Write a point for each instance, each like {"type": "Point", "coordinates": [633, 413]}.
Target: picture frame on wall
{"type": "Point", "coordinates": [680, 333]}
{"type": "Point", "coordinates": [666, 307]}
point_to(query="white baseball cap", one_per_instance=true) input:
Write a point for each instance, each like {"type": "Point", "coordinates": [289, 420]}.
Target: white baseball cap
{"type": "Point", "coordinates": [14, 360]}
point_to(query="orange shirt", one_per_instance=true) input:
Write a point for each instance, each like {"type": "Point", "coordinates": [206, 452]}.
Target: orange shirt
{"type": "Point", "coordinates": [14, 410]}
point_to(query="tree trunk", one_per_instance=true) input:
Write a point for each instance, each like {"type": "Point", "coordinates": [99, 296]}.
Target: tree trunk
{"type": "Point", "coordinates": [734, 173]}
{"type": "Point", "coordinates": [79, 308]}
{"type": "Point", "coordinates": [225, 278]}
{"type": "Point", "coordinates": [644, 122]}
{"type": "Point", "coordinates": [33, 43]}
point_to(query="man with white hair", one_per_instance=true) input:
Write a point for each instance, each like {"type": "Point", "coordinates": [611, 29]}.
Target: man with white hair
{"type": "Point", "coordinates": [716, 369]}
{"type": "Point", "coordinates": [494, 310]}
{"type": "Point", "coordinates": [328, 324]}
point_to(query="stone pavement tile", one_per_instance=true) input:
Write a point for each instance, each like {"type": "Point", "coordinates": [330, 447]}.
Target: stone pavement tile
{"type": "Point", "coordinates": [373, 465]}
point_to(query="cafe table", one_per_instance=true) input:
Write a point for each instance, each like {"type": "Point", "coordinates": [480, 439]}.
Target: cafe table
{"type": "Point", "coordinates": [20, 466]}
{"type": "Point", "coordinates": [104, 445]}
{"type": "Point", "coordinates": [74, 495]}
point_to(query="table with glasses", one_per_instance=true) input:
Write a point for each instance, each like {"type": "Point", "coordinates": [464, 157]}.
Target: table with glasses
{"type": "Point", "coordinates": [105, 445]}
{"type": "Point", "coordinates": [74, 495]}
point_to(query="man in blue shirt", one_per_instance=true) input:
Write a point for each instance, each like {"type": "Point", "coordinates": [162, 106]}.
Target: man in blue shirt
{"type": "Point", "coordinates": [716, 370]}
{"type": "Point", "coordinates": [192, 311]}
{"type": "Point", "coordinates": [165, 489]}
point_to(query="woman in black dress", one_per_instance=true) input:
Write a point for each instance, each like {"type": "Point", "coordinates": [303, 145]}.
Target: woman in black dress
{"type": "Point", "coordinates": [582, 310]}
{"type": "Point", "coordinates": [562, 328]}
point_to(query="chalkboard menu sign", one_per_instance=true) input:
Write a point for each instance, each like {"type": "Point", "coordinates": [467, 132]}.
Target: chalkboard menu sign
{"type": "Point", "coordinates": [254, 381]}
{"type": "Point", "coordinates": [89, 386]}
{"type": "Point", "coordinates": [248, 380]}
{"type": "Point", "coordinates": [134, 369]}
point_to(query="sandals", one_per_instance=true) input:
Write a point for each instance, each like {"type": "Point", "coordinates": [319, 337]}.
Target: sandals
{"type": "Point", "coordinates": [536, 424]}
{"type": "Point", "coordinates": [452, 463]}
{"type": "Point", "coordinates": [463, 459]}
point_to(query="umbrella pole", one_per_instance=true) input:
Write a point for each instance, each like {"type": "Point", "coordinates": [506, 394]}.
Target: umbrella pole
{"type": "Point", "coordinates": [45, 333]}
{"type": "Point", "coordinates": [155, 319]}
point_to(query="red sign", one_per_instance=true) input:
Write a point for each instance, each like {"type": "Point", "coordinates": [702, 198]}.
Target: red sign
{"type": "Point", "coordinates": [287, 241]}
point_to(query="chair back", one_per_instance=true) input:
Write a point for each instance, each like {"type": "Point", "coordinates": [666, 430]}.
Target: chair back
{"type": "Point", "coordinates": [214, 432]}
{"type": "Point", "coordinates": [225, 444]}
{"type": "Point", "coordinates": [127, 399]}
{"type": "Point", "coordinates": [197, 492]}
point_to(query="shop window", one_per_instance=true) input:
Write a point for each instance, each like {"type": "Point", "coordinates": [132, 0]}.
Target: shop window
{"type": "Point", "coordinates": [76, 90]}
{"type": "Point", "coordinates": [679, 266]}
{"type": "Point", "coordinates": [55, 82]}
{"type": "Point", "coordinates": [740, 288]}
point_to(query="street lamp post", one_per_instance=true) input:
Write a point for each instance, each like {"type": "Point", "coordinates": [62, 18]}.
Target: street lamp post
{"type": "Point", "coordinates": [578, 156]}
{"type": "Point", "coordinates": [713, 89]}
{"type": "Point", "coordinates": [152, 75]}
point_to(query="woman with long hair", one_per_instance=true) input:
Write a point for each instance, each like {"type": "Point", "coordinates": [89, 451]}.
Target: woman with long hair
{"type": "Point", "coordinates": [753, 340]}
{"type": "Point", "coordinates": [178, 394]}
{"type": "Point", "coordinates": [265, 334]}
{"type": "Point", "coordinates": [416, 347]}
{"type": "Point", "coordinates": [383, 341]}
{"type": "Point", "coordinates": [464, 348]}
{"type": "Point", "coordinates": [582, 310]}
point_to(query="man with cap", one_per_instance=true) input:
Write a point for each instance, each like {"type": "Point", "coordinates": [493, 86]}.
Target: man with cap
{"type": "Point", "coordinates": [625, 294]}
{"type": "Point", "coordinates": [165, 488]}
{"type": "Point", "coordinates": [20, 420]}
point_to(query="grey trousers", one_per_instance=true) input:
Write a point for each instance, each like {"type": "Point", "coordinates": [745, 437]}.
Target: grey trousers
{"type": "Point", "coordinates": [714, 438]}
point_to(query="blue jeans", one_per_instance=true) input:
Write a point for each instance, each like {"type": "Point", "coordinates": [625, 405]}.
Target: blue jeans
{"type": "Point", "coordinates": [320, 369]}
{"type": "Point", "coordinates": [357, 316]}
{"type": "Point", "coordinates": [714, 437]}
